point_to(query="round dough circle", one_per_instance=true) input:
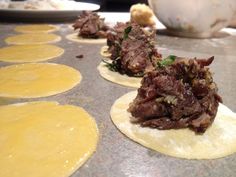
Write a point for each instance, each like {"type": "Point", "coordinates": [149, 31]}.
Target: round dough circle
{"type": "Point", "coordinates": [40, 38]}
{"type": "Point", "coordinates": [218, 141]}
{"type": "Point", "coordinates": [45, 139]}
{"type": "Point", "coordinates": [36, 28]}
{"type": "Point", "coordinates": [35, 80]}
{"type": "Point", "coordinates": [117, 77]}
{"type": "Point", "coordinates": [104, 52]}
{"type": "Point", "coordinates": [74, 37]}
{"type": "Point", "coordinates": [29, 53]}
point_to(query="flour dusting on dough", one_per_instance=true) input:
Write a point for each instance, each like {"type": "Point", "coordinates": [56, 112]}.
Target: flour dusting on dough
{"type": "Point", "coordinates": [218, 141]}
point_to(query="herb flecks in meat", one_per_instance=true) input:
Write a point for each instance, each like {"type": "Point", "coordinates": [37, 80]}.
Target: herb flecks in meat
{"type": "Point", "coordinates": [167, 61]}
{"type": "Point", "coordinates": [134, 47]}
{"type": "Point", "coordinates": [90, 25]}
{"type": "Point", "coordinates": [178, 95]}
{"type": "Point", "coordinates": [127, 31]}
{"type": "Point", "coordinates": [111, 66]}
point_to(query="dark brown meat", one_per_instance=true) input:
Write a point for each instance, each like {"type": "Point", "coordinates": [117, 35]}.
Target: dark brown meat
{"type": "Point", "coordinates": [180, 95]}
{"type": "Point", "coordinates": [115, 38]}
{"type": "Point", "coordinates": [132, 49]}
{"type": "Point", "coordinates": [90, 25]}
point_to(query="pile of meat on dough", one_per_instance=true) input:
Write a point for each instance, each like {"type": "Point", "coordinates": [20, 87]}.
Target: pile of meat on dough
{"type": "Point", "coordinates": [90, 25]}
{"type": "Point", "coordinates": [180, 95]}
{"type": "Point", "coordinates": [132, 49]}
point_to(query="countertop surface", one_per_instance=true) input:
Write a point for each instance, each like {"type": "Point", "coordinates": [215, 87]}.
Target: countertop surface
{"type": "Point", "coordinates": [116, 155]}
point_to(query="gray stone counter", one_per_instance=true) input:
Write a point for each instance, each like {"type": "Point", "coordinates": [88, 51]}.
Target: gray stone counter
{"type": "Point", "coordinates": [116, 155]}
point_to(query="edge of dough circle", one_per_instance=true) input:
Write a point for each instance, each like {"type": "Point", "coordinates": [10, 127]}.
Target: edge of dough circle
{"type": "Point", "coordinates": [45, 28]}
{"type": "Point", "coordinates": [118, 78]}
{"type": "Point", "coordinates": [32, 38]}
{"type": "Point", "coordinates": [75, 38]}
{"type": "Point", "coordinates": [34, 80]}
{"type": "Point", "coordinates": [59, 140]}
{"type": "Point", "coordinates": [218, 141]}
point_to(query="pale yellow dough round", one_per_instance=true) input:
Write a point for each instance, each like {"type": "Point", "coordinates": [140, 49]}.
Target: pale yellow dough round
{"type": "Point", "coordinates": [117, 77]}
{"type": "Point", "coordinates": [29, 53]}
{"type": "Point", "coordinates": [45, 139]}
{"type": "Point", "coordinates": [26, 39]}
{"type": "Point", "coordinates": [44, 28]}
{"type": "Point", "coordinates": [104, 52]}
{"type": "Point", "coordinates": [74, 37]}
{"type": "Point", "coordinates": [34, 80]}
{"type": "Point", "coordinates": [218, 141]}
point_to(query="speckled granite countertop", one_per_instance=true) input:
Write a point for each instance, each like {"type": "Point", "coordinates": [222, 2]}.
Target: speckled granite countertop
{"type": "Point", "coordinates": [116, 155]}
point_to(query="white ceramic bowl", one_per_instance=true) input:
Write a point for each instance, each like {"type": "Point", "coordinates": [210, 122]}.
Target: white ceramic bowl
{"type": "Point", "coordinates": [194, 18]}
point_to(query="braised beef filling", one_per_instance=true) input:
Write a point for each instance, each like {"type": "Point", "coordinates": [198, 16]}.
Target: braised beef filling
{"type": "Point", "coordinates": [90, 25]}
{"type": "Point", "coordinates": [132, 49]}
{"type": "Point", "coordinates": [178, 95]}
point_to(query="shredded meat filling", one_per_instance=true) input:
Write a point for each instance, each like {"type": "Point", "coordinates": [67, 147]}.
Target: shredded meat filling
{"type": "Point", "coordinates": [90, 25]}
{"type": "Point", "coordinates": [132, 49]}
{"type": "Point", "coordinates": [181, 95]}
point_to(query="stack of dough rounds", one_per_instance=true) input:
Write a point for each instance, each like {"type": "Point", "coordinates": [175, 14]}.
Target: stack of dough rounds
{"type": "Point", "coordinates": [34, 80]}
{"type": "Point", "coordinates": [45, 139]}
{"type": "Point", "coordinates": [36, 28]}
{"type": "Point", "coordinates": [218, 141]}
{"type": "Point", "coordinates": [29, 53]}
{"type": "Point", "coordinates": [30, 49]}
{"type": "Point", "coordinates": [32, 38]}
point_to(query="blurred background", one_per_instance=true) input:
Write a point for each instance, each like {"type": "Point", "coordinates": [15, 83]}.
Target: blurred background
{"type": "Point", "coordinates": [112, 5]}
{"type": "Point", "coordinates": [115, 5]}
